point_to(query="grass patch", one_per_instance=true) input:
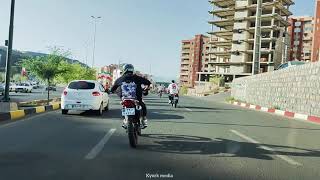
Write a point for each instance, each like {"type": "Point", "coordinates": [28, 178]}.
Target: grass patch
{"type": "Point", "coordinates": [230, 99]}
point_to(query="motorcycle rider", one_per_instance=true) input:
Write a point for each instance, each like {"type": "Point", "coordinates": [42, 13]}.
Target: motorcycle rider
{"type": "Point", "coordinates": [160, 89]}
{"type": "Point", "coordinates": [173, 88]}
{"type": "Point", "coordinates": [129, 77]}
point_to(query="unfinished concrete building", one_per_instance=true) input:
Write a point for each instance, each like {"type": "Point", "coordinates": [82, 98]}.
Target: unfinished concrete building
{"type": "Point", "coordinates": [234, 24]}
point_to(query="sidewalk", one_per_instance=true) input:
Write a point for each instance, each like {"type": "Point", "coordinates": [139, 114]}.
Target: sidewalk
{"type": "Point", "coordinates": [219, 97]}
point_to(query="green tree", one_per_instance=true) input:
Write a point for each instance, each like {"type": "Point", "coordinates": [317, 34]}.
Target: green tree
{"type": "Point", "coordinates": [2, 77]}
{"type": "Point", "coordinates": [184, 90]}
{"type": "Point", "coordinates": [75, 72]}
{"type": "Point", "coordinates": [46, 67]}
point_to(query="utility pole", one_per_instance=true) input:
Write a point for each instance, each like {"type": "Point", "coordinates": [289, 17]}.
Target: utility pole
{"type": "Point", "coordinates": [257, 40]}
{"type": "Point", "coordinates": [9, 53]}
{"type": "Point", "coordinates": [86, 51]}
{"type": "Point", "coordinates": [94, 37]}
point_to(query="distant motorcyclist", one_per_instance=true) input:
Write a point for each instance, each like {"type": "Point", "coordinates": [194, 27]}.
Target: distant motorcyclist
{"type": "Point", "coordinates": [173, 89]}
{"type": "Point", "coordinates": [129, 77]}
{"type": "Point", "coordinates": [161, 90]}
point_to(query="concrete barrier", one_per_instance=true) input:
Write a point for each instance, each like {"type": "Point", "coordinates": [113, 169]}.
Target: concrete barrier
{"type": "Point", "coordinates": [18, 114]}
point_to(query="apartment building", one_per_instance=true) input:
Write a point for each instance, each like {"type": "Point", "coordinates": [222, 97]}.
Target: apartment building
{"type": "Point", "coordinates": [301, 33]}
{"type": "Point", "coordinates": [235, 22]}
{"type": "Point", "coordinates": [194, 58]}
{"type": "Point", "coordinates": [316, 34]}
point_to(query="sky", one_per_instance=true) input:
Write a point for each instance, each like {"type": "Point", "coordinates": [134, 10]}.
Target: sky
{"type": "Point", "coordinates": [146, 33]}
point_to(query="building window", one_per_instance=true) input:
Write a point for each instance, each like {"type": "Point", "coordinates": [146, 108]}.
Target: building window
{"type": "Point", "coordinates": [297, 23]}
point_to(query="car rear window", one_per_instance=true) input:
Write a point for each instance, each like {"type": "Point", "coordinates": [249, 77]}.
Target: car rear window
{"type": "Point", "coordinates": [81, 85]}
{"type": "Point", "coordinates": [297, 63]}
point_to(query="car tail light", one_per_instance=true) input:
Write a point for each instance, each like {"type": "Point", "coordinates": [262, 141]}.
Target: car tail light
{"type": "Point", "coordinates": [96, 93]}
{"type": "Point", "coordinates": [65, 93]}
{"type": "Point", "coordinates": [128, 103]}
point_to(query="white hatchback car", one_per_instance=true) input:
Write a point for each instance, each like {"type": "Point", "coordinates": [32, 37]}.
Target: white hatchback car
{"type": "Point", "coordinates": [84, 95]}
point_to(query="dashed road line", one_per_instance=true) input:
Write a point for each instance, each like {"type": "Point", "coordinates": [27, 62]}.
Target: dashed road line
{"type": "Point", "coordinates": [188, 109]}
{"type": "Point", "coordinates": [98, 148]}
{"type": "Point", "coordinates": [283, 157]}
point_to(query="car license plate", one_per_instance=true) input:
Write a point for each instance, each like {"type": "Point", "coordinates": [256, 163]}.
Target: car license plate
{"type": "Point", "coordinates": [176, 98]}
{"type": "Point", "coordinates": [128, 111]}
{"type": "Point", "coordinates": [77, 106]}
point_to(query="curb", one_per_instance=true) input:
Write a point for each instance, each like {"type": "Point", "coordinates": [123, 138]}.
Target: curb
{"type": "Point", "coordinates": [288, 114]}
{"type": "Point", "coordinates": [203, 95]}
{"type": "Point", "coordinates": [14, 115]}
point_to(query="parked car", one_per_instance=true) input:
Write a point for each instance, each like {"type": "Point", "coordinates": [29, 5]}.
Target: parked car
{"type": "Point", "coordinates": [2, 89]}
{"type": "Point", "coordinates": [290, 64]}
{"type": "Point", "coordinates": [12, 87]}
{"type": "Point", "coordinates": [85, 95]}
{"type": "Point", "coordinates": [51, 88]}
{"type": "Point", "coordinates": [35, 84]}
{"type": "Point", "coordinates": [24, 87]}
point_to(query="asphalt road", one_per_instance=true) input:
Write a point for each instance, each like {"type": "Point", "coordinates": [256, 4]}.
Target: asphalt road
{"type": "Point", "coordinates": [36, 94]}
{"type": "Point", "coordinates": [199, 140]}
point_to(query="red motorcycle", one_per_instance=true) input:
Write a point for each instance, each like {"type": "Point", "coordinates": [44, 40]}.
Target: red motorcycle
{"type": "Point", "coordinates": [132, 112]}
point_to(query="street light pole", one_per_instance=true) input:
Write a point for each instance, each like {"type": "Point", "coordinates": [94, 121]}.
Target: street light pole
{"type": "Point", "coordinates": [94, 37]}
{"type": "Point", "coordinates": [9, 53]}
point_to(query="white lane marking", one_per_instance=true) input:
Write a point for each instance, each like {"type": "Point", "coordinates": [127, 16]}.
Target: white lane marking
{"type": "Point", "coordinates": [283, 157]}
{"type": "Point", "coordinates": [98, 148]}
{"type": "Point", "coordinates": [188, 109]}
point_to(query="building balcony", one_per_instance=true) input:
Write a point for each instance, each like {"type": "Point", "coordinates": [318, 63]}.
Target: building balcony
{"type": "Point", "coordinates": [185, 51]}
{"type": "Point", "coordinates": [184, 73]}
{"type": "Point", "coordinates": [223, 3]}
{"type": "Point", "coordinates": [223, 13]}
{"type": "Point", "coordinates": [186, 44]}
{"type": "Point", "coordinates": [286, 2]}
{"type": "Point", "coordinates": [226, 34]}
{"type": "Point", "coordinates": [264, 40]}
{"type": "Point", "coordinates": [184, 80]}
{"type": "Point", "coordinates": [307, 39]}
{"type": "Point", "coordinates": [265, 28]}
{"type": "Point", "coordinates": [268, 6]}
{"type": "Point", "coordinates": [263, 51]}
{"type": "Point", "coordinates": [261, 63]}
{"type": "Point", "coordinates": [185, 62]}
{"type": "Point", "coordinates": [221, 53]}
{"type": "Point", "coordinates": [224, 73]}
{"type": "Point", "coordinates": [222, 43]}
{"type": "Point", "coordinates": [266, 17]}
{"type": "Point", "coordinates": [224, 23]}
{"type": "Point", "coordinates": [184, 68]}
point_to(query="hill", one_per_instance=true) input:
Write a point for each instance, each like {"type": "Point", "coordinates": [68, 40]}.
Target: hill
{"type": "Point", "coordinates": [18, 56]}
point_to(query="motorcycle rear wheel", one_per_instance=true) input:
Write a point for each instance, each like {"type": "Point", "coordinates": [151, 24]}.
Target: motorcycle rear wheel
{"type": "Point", "coordinates": [132, 135]}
